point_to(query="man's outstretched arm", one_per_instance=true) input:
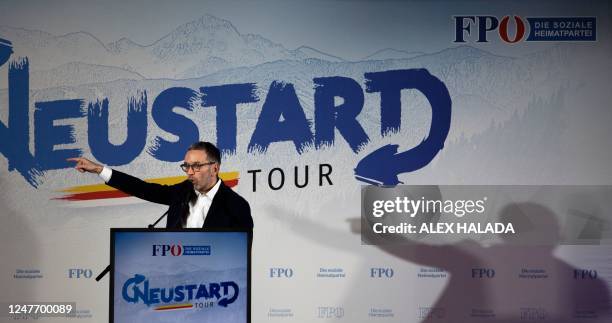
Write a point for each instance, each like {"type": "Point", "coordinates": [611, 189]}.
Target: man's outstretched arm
{"type": "Point", "coordinates": [151, 192]}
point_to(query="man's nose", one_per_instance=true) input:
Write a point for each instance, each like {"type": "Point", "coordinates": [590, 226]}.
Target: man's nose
{"type": "Point", "coordinates": [190, 171]}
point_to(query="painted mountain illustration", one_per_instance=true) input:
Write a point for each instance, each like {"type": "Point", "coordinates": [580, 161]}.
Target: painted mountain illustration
{"type": "Point", "coordinates": [196, 48]}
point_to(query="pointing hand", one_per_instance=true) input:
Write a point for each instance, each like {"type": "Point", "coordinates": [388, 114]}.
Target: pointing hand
{"type": "Point", "coordinates": [85, 165]}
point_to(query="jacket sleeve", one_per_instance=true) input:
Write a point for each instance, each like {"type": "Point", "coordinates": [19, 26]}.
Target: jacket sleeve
{"type": "Point", "coordinates": [245, 220]}
{"type": "Point", "coordinates": [152, 192]}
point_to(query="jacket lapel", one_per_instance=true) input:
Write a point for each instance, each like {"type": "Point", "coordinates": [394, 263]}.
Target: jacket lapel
{"type": "Point", "coordinates": [216, 207]}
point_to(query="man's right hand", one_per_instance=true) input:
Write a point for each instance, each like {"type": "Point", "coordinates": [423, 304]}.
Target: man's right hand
{"type": "Point", "coordinates": [85, 165]}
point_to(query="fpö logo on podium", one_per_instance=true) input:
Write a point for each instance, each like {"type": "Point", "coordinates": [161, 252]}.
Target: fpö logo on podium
{"type": "Point", "coordinates": [514, 29]}
{"type": "Point", "coordinates": [175, 250]}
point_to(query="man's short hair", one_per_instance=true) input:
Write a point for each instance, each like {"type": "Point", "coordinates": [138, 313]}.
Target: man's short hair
{"type": "Point", "coordinates": [213, 153]}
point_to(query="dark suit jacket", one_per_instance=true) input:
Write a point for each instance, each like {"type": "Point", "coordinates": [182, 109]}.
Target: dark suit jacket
{"type": "Point", "coordinates": [227, 211]}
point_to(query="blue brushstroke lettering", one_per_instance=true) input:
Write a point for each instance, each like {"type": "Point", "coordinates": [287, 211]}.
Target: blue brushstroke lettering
{"type": "Point", "coordinates": [281, 103]}
{"type": "Point", "coordinates": [329, 117]}
{"type": "Point", "coordinates": [225, 98]}
{"type": "Point", "coordinates": [134, 143]}
{"type": "Point", "coordinates": [47, 135]}
{"type": "Point", "coordinates": [174, 123]}
{"type": "Point", "coordinates": [15, 137]}
{"type": "Point", "coordinates": [382, 166]}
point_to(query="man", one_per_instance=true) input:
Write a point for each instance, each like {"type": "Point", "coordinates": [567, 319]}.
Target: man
{"type": "Point", "coordinates": [201, 201]}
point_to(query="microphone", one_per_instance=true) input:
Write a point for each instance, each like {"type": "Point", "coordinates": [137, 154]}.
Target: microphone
{"type": "Point", "coordinates": [103, 273]}
{"type": "Point", "coordinates": [151, 226]}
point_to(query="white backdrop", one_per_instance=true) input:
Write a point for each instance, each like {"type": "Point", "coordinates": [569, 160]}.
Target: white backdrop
{"type": "Point", "coordinates": [528, 113]}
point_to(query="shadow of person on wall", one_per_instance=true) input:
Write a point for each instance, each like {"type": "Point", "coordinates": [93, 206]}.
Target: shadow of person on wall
{"type": "Point", "coordinates": [517, 280]}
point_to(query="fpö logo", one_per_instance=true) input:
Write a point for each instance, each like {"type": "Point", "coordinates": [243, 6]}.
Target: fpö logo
{"type": "Point", "coordinates": [381, 272]}
{"type": "Point", "coordinates": [533, 314]}
{"type": "Point", "coordinates": [513, 29]}
{"type": "Point", "coordinates": [589, 274]}
{"type": "Point", "coordinates": [138, 289]}
{"type": "Point", "coordinates": [176, 250]}
{"type": "Point", "coordinates": [330, 312]}
{"type": "Point", "coordinates": [480, 273]}
{"type": "Point", "coordinates": [77, 273]}
{"type": "Point", "coordinates": [428, 312]}
{"type": "Point", "coordinates": [279, 272]}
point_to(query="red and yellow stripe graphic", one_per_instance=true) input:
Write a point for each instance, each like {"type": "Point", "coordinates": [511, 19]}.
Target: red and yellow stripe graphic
{"type": "Point", "coordinates": [173, 307]}
{"type": "Point", "coordinates": [103, 191]}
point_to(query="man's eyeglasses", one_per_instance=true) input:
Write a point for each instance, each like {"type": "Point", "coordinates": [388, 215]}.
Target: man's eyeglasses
{"type": "Point", "coordinates": [195, 166]}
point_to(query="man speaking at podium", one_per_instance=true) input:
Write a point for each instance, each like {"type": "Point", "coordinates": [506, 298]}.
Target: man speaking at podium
{"type": "Point", "coordinates": [201, 201]}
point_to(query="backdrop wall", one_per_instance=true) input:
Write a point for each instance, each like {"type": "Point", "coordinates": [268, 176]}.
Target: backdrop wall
{"type": "Point", "coordinates": [309, 102]}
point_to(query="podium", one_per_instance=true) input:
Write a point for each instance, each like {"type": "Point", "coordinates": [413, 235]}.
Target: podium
{"type": "Point", "coordinates": [188, 275]}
